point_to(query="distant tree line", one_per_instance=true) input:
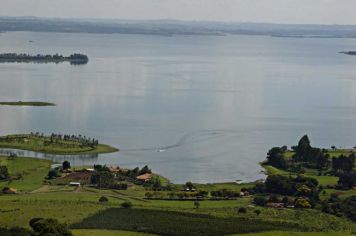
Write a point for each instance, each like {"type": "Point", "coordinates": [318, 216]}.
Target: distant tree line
{"type": "Point", "coordinates": [85, 141]}
{"type": "Point", "coordinates": [75, 58]}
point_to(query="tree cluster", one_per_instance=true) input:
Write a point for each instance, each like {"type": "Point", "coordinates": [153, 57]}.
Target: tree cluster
{"type": "Point", "coordinates": [39, 227]}
{"type": "Point", "coordinates": [23, 57]}
{"type": "Point", "coordinates": [104, 178]}
{"type": "Point", "coordinates": [299, 187]}
{"type": "Point", "coordinates": [83, 140]}
{"type": "Point", "coordinates": [336, 206]}
{"type": "Point", "coordinates": [225, 193]}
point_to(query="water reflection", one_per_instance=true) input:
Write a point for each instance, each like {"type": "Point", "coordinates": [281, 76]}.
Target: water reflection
{"type": "Point", "coordinates": [215, 105]}
{"type": "Point", "coordinates": [75, 160]}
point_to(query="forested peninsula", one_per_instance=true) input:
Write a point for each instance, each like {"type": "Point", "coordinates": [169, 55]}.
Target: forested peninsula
{"type": "Point", "coordinates": [75, 59]}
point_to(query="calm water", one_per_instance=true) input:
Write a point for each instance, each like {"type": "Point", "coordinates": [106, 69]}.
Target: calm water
{"type": "Point", "coordinates": [213, 105]}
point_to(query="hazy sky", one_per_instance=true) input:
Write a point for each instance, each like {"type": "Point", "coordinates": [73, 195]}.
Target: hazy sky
{"type": "Point", "coordinates": [280, 11]}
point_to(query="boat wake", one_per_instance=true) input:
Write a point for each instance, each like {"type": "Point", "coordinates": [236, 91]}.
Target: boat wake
{"type": "Point", "coordinates": [189, 138]}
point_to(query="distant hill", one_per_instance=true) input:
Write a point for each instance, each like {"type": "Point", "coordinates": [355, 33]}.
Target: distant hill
{"type": "Point", "coordinates": [172, 27]}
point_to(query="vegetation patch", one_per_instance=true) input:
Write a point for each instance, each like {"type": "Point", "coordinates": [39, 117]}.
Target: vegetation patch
{"type": "Point", "coordinates": [55, 144]}
{"type": "Point", "coordinates": [86, 232]}
{"type": "Point", "coordinates": [20, 103]}
{"type": "Point", "coordinates": [24, 174]}
{"type": "Point", "coordinates": [173, 223]}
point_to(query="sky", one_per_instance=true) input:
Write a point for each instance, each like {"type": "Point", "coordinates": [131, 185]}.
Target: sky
{"type": "Point", "coordinates": [272, 11]}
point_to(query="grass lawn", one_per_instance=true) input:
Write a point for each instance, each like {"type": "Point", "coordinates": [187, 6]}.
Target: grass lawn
{"type": "Point", "coordinates": [89, 232]}
{"type": "Point", "coordinates": [37, 144]}
{"type": "Point", "coordinates": [32, 170]}
{"type": "Point", "coordinates": [20, 103]}
{"type": "Point", "coordinates": [218, 186]}
{"type": "Point", "coordinates": [323, 180]}
{"type": "Point", "coordinates": [338, 152]}
{"type": "Point", "coordinates": [281, 233]}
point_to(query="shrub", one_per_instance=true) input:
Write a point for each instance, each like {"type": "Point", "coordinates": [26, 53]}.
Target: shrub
{"type": "Point", "coordinates": [260, 201]}
{"type": "Point", "coordinates": [52, 174]}
{"type": "Point", "coordinates": [189, 185]}
{"type": "Point", "coordinates": [242, 210]}
{"type": "Point", "coordinates": [16, 231]}
{"type": "Point", "coordinates": [225, 193]}
{"type": "Point", "coordinates": [257, 212]}
{"type": "Point", "coordinates": [302, 203]}
{"type": "Point", "coordinates": [66, 165]}
{"type": "Point", "coordinates": [4, 173]}
{"type": "Point", "coordinates": [196, 204]}
{"type": "Point", "coordinates": [126, 204]}
{"type": "Point", "coordinates": [274, 198]}
{"type": "Point", "coordinates": [103, 199]}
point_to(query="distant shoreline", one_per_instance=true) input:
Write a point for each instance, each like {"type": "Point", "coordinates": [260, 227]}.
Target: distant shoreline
{"type": "Point", "coordinates": [173, 27]}
{"type": "Point", "coordinates": [20, 103]}
{"type": "Point", "coordinates": [55, 144]}
{"type": "Point", "coordinates": [75, 59]}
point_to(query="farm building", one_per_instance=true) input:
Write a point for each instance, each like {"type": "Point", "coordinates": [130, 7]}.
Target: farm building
{"type": "Point", "coordinates": [77, 184]}
{"type": "Point", "coordinates": [145, 177]}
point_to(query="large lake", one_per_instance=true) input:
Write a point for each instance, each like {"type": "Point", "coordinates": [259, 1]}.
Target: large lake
{"type": "Point", "coordinates": [199, 108]}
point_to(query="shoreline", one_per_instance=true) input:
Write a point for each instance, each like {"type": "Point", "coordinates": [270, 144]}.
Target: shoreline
{"type": "Point", "coordinates": [30, 104]}
{"type": "Point", "coordinates": [53, 145]}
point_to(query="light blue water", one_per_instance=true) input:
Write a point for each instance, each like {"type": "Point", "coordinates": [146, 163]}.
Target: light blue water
{"type": "Point", "coordinates": [199, 108]}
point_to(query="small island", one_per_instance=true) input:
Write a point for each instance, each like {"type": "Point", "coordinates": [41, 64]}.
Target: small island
{"type": "Point", "coordinates": [21, 103]}
{"type": "Point", "coordinates": [74, 59]}
{"type": "Point", "coordinates": [55, 144]}
{"type": "Point", "coordinates": [352, 53]}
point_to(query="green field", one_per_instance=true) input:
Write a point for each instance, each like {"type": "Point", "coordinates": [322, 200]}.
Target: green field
{"type": "Point", "coordinates": [43, 145]}
{"type": "Point", "coordinates": [20, 103]}
{"type": "Point", "coordinates": [33, 172]}
{"type": "Point", "coordinates": [165, 222]}
{"type": "Point", "coordinates": [281, 233]}
{"type": "Point", "coordinates": [80, 209]}
{"type": "Point", "coordinates": [86, 232]}
{"type": "Point", "coordinates": [323, 180]}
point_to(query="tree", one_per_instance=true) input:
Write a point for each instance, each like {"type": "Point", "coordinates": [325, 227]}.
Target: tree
{"type": "Point", "coordinates": [66, 165]}
{"type": "Point", "coordinates": [242, 210]}
{"type": "Point", "coordinates": [260, 201]}
{"type": "Point", "coordinates": [126, 204]}
{"type": "Point", "coordinates": [4, 173]}
{"type": "Point", "coordinates": [103, 179]}
{"type": "Point", "coordinates": [303, 146]}
{"type": "Point", "coordinates": [154, 183]}
{"type": "Point", "coordinates": [347, 180]}
{"type": "Point", "coordinates": [303, 190]}
{"type": "Point", "coordinates": [349, 207]}
{"type": "Point", "coordinates": [16, 231]}
{"type": "Point", "coordinates": [53, 173]}
{"type": "Point", "coordinates": [48, 227]}
{"type": "Point", "coordinates": [257, 212]}
{"type": "Point", "coordinates": [302, 203]}
{"type": "Point", "coordinates": [279, 184]}
{"type": "Point", "coordinates": [189, 186]}
{"type": "Point", "coordinates": [144, 170]}
{"type": "Point", "coordinates": [103, 199]}
{"type": "Point", "coordinates": [196, 204]}
{"type": "Point", "coordinates": [343, 164]}
{"type": "Point", "coordinates": [275, 157]}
